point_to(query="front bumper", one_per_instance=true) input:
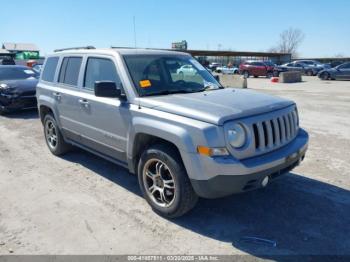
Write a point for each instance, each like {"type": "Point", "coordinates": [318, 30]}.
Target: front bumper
{"type": "Point", "coordinates": [219, 177]}
{"type": "Point", "coordinates": [10, 103]}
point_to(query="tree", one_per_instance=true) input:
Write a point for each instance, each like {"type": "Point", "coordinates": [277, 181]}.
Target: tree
{"type": "Point", "coordinates": [289, 42]}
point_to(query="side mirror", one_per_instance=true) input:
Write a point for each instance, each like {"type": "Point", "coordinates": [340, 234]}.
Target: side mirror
{"type": "Point", "coordinates": [107, 89]}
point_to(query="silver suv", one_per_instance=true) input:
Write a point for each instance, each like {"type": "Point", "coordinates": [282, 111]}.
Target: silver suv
{"type": "Point", "coordinates": [183, 134]}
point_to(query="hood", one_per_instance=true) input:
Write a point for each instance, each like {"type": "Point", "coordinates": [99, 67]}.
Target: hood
{"type": "Point", "coordinates": [22, 86]}
{"type": "Point", "coordinates": [217, 106]}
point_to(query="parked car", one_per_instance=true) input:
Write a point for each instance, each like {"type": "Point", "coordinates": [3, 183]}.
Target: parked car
{"type": "Point", "coordinates": [227, 70]}
{"type": "Point", "coordinates": [17, 88]}
{"type": "Point", "coordinates": [214, 65]}
{"type": "Point", "coordinates": [341, 72]}
{"type": "Point", "coordinates": [298, 67]}
{"type": "Point", "coordinates": [256, 69]}
{"type": "Point", "coordinates": [314, 63]}
{"type": "Point", "coordinates": [184, 139]}
{"type": "Point", "coordinates": [186, 70]}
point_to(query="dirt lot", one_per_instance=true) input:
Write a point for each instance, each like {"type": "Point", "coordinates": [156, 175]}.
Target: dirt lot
{"type": "Point", "coordinates": [81, 204]}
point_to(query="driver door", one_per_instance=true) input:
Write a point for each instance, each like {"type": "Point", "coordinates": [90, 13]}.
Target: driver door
{"type": "Point", "coordinates": [104, 121]}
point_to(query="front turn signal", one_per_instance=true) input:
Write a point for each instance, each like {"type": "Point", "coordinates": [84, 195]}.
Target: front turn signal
{"type": "Point", "coordinates": [211, 152]}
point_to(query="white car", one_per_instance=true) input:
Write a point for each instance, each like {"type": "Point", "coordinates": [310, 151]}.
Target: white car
{"type": "Point", "coordinates": [186, 70]}
{"type": "Point", "coordinates": [227, 70]}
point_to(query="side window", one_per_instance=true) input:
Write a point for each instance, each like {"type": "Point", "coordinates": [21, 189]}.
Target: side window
{"type": "Point", "coordinates": [345, 66]}
{"type": "Point", "coordinates": [100, 69]}
{"type": "Point", "coordinates": [70, 69]}
{"type": "Point", "coordinates": [50, 69]}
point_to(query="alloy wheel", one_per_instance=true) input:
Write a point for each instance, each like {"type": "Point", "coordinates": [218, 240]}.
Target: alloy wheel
{"type": "Point", "coordinates": [159, 182]}
{"type": "Point", "coordinates": [51, 134]}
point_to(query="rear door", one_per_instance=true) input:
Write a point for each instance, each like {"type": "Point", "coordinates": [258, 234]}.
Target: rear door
{"type": "Point", "coordinates": [298, 67]}
{"type": "Point", "coordinates": [67, 95]}
{"type": "Point", "coordinates": [260, 69]}
{"type": "Point", "coordinates": [104, 121]}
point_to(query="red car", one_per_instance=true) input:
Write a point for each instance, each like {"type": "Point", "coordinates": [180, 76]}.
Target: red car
{"type": "Point", "coordinates": [256, 68]}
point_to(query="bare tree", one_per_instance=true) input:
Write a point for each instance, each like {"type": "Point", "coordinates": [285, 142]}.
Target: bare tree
{"type": "Point", "coordinates": [289, 42]}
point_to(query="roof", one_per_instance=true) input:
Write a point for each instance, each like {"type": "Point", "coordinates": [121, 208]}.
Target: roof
{"type": "Point", "coordinates": [4, 52]}
{"type": "Point", "coordinates": [143, 51]}
{"type": "Point", "coordinates": [122, 51]}
{"type": "Point", "coordinates": [20, 47]}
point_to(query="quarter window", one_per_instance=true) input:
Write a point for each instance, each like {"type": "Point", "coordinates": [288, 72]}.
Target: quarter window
{"type": "Point", "coordinates": [70, 69]}
{"type": "Point", "coordinates": [100, 69]}
{"type": "Point", "coordinates": [50, 69]}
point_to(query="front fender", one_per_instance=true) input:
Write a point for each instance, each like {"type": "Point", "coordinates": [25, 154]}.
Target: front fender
{"type": "Point", "coordinates": [175, 134]}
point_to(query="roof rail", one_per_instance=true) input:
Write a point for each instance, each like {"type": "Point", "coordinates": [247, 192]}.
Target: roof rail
{"type": "Point", "coordinates": [75, 48]}
{"type": "Point", "coordinates": [124, 47]}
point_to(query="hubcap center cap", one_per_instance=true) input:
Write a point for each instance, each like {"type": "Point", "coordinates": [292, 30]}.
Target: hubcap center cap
{"type": "Point", "coordinates": [159, 182]}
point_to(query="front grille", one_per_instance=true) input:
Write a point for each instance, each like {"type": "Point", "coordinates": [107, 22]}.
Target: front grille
{"type": "Point", "coordinates": [275, 132]}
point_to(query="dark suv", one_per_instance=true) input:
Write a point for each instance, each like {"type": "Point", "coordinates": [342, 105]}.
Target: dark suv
{"type": "Point", "coordinates": [256, 68]}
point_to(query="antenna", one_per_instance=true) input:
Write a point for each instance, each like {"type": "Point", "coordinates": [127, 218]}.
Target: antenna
{"type": "Point", "coordinates": [134, 21]}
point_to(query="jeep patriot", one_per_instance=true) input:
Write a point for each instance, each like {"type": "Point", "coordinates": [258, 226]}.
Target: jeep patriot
{"type": "Point", "coordinates": [182, 134]}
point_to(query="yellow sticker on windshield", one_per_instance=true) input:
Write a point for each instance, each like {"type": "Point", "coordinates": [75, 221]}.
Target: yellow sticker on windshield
{"type": "Point", "coordinates": [145, 83]}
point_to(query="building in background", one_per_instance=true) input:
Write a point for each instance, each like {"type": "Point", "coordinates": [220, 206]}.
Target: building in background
{"type": "Point", "coordinates": [179, 45]}
{"type": "Point", "coordinates": [22, 51]}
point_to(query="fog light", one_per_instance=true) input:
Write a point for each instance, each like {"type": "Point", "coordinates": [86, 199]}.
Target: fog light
{"type": "Point", "coordinates": [265, 181]}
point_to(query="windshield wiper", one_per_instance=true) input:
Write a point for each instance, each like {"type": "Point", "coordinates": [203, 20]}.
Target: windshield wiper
{"type": "Point", "coordinates": [210, 87]}
{"type": "Point", "coordinates": [168, 92]}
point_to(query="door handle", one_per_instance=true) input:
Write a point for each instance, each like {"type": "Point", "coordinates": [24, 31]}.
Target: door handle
{"type": "Point", "coordinates": [57, 95]}
{"type": "Point", "coordinates": [83, 102]}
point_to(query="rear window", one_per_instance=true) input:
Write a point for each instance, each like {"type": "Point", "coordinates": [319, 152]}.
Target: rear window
{"type": "Point", "coordinates": [70, 69]}
{"type": "Point", "coordinates": [50, 69]}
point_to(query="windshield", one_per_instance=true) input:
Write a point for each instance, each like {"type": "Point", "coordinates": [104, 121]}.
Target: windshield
{"type": "Point", "coordinates": [16, 73]}
{"type": "Point", "coordinates": [168, 74]}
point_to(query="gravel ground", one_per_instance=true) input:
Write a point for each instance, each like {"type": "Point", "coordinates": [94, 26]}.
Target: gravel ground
{"type": "Point", "coordinates": [81, 204]}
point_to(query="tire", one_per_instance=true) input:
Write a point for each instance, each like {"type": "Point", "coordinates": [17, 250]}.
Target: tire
{"type": "Point", "coordinates": [53, 137]}
{"type": "Point", "coordinates": [325, 76]}
{"type": "Point", "coordinates": [161, 163]}
{"type": "Point", "coordinates": [309, 73]}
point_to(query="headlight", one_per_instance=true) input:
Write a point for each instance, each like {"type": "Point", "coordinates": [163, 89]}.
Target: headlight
{"type": "Point", "coordinates": [237, 136]}
{"type": "Point", "coordinates": [3, 86]}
